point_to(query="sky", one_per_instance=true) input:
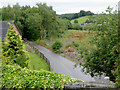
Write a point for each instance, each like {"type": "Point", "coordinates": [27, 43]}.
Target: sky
{"type": "Point", "coordinates": [68, 6]}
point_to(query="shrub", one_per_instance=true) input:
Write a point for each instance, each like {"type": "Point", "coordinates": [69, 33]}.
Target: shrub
{"type": "Point", "coordinates": [13, 51]}
{"type": "Point", "coordinates": [77, 27]}
{"type": "Point", "coordinates": [75, 44]}
{"type": "Point", "coordinates": [13, 76]}
{"type": "Point", "coordinates": [56, 46]}
{"type": "Point", "coordinates": [75, 21]}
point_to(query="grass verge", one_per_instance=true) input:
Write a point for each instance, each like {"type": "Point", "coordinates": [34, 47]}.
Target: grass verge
{"type": "Point", "coordinates": [36, 62]}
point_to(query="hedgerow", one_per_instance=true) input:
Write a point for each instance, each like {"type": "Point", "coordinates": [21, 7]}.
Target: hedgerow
{"type": "Point", "coordinates": [14, 76]}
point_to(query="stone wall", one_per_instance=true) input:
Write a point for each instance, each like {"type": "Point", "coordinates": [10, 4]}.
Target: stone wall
{"type": "Point", "coordinates": [31, 48]}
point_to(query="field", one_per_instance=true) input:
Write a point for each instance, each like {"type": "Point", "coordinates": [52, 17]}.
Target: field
{"type": "Point", "coordinates": [69, 37]}
{"type": "Point", "coordinates": [78, 40]}
{"type": "Point", "coordinates": [80, 19]}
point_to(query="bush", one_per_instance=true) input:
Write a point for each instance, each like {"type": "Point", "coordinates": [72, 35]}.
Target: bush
{"type": "Point", "coordinates": [56, 46]}
{"type": "Point", "coordinates": [75, 21]}
{"type": "Point", "coordinates": [77, 27]}
{"type": "Point", "coordinates": [75, 44]}
{"type": "Point", "coordinates": [13, 51]}
{"type": "Point", "coordinates": [13, 76]}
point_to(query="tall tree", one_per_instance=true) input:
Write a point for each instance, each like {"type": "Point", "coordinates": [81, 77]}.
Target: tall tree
{"type": "Point", "coordinates": [102, 59]}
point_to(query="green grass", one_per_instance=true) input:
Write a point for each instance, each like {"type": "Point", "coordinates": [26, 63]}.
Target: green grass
{"type": "Point", "coordinates": [80, 19]}
{"type": "Point", "coordinates": [36, 62]}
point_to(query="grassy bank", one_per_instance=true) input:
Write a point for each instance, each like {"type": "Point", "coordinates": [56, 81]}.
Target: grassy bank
{"type": "Point", "coordinates": [36, 62]}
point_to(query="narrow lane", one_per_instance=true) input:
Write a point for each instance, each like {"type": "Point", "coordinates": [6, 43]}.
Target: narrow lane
{"type": "Point", "coordinates": [62, 65]}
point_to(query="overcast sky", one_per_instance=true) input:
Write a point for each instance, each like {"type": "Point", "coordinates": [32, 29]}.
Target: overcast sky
{"type": "Point", "coordinates": [68, 6]}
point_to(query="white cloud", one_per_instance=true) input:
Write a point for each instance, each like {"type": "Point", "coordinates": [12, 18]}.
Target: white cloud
{"type": "Point", "coordinates": [0, 5]}
{"type": "Point", "coordinates": [67, 6]}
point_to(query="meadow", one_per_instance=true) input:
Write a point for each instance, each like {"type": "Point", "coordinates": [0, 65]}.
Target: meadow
{"type": "Point", "coordinates": [76, 39]}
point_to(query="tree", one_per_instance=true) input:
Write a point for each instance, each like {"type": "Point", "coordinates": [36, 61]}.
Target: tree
{"type": "Point", "coordinates": [82, 13]}
{"type": "Point", "coordinates": [13, 51]}
{"type": "Point", "coordinates": [75, 21]}
{"type": "Point", "coordinates": [77, 27]}
{"type": "Point", "coordinates": [7, 13]}
{"type": "Point", "coordinates": [101, 60]}
{"type": "Point", "coordinates": [76, 15]}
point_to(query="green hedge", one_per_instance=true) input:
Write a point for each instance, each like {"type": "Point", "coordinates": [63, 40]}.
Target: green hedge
{"type": "Point", "coordinates": [13, 76]}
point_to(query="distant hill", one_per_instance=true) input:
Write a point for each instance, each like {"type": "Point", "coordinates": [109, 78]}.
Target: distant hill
{"type": "Point", "coordinates": [71, 16]}
{"type": "Point", "coordinates": [80, 19]}
{"type": "Point", "coordinates": [83, 19]}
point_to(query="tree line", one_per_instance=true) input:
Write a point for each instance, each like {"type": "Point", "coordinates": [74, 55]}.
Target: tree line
{"type": "Point", "coordinates": [35, 22]}
{"type": "Point", "coordinates": [76, 15]}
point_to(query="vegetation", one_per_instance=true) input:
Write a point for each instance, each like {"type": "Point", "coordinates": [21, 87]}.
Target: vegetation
{"type": "Point", "coordinates": [13, 76]}
{"type": "Point", "coordinates": [0, 14]}
{"type": "Point", "coordinates": [36, 62]}
{"type": "Point", "coordinates": [101, 60]}
{"type": "Point", "coordinates": [76, 27]}
{"type": "Point", "coordinates": [81, 19]}
{"type": "Point", "coordinates": [98, 48]}
{"type": "Point", "coordinates": [75, 21]}
{"type": "Point", "coordinates": [56, 46]}
{"type": "Point", "coordinates": [13, 51]}
{"type": "Point", "coordinates": [75, 38]}
{"type": "Point", "coordinates": [38, 22]}
{"type": "Point", "coordinates": [76, 15]}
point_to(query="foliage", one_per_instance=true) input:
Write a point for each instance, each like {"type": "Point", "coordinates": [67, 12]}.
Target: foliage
{"type": "Point", "coordinates": [101, 60]}
{"type": "Point", "coordinates": [75, 44]}
{"type": "Point", "coordinates": [75, 21]}
{"type": "Point", "coordinates": [81, 20]}
{"type": "Point", "coordinates": [76, 27]}
{"type": "Point", "coordinates": [38, 22]}
{"type": "Point", "coordinates": [76, 15]}
{"type": "Point", "coordinates": [117, 63]}
{"type": "Point", "coordinates": [90, 19]}
{"type": "Point", "coordinates": [13, 76]}
{"type": "Point", "coordinates": [13, 51]}
{"type": "Point", "coordinates": [0, 14]}
{"type": "Point", "coordinates": [56, 46]}
{"type": "Point", "coordinates": [63, 25]}
{"type": "Point", "coordinates": [90, 27]}
{"type": "Point", "coordinates": [117, 73]}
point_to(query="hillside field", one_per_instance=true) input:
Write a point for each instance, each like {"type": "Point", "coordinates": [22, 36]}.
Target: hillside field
{"type": "Point", "coordinates": [80, 19]}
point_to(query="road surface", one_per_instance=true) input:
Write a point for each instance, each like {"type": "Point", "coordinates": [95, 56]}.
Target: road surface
{"type": "Point", "coordinates": [62, 65]}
